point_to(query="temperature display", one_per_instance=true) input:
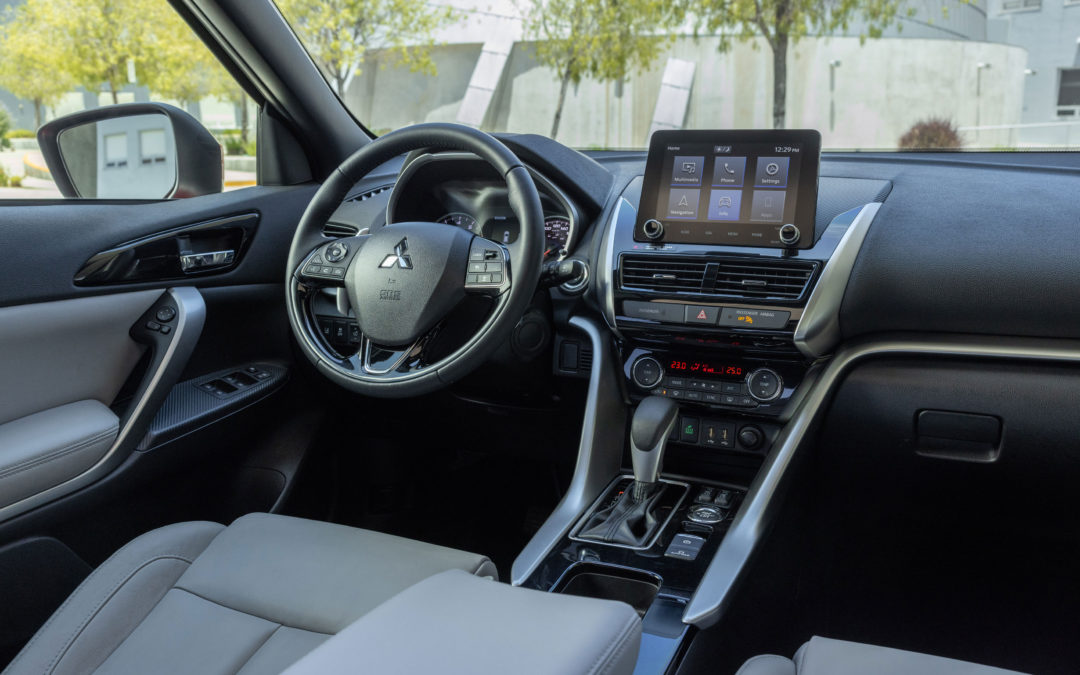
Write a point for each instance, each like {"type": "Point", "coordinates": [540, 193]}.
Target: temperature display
{"type": "Point", "coordinates": [716, 369]}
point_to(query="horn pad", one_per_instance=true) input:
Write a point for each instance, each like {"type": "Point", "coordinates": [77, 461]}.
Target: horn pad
{"type": "Point", "coordinates": [407, 278]}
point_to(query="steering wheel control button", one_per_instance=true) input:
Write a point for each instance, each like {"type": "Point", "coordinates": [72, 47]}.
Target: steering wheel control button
{"type": "Point", "coordinates": [487, 267]}
{"type": "Point", "coordinates": [761, 319]}
{"type": "Point", "coordinates": [646, 372]}
{"type": "Point", "coordinates": [764, 384]}
{"type": "Point", "coordinates": [165, 314]}
{"type": "Point", "coordinates": [706, 514]}
{"type": "Point", "coordinates": [336, 252]}
{"type": "Point", "coordinates": [702, 314]}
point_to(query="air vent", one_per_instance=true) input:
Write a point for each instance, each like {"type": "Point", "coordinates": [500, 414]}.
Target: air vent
{"type": "Point", "coordinates": [763, 280]}
{"type": "Point", "coordinates": [651, 274]}
{"type": "Point", "coordinates": [338, 230]}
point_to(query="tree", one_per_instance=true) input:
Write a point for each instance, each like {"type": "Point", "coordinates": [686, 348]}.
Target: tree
{"type": "Point", "coordinates": [31, 64]}
{"type": "Point", "coordinates": [605, 40]}
{"type": "Point", "coordinates": [783, 22]}
{"type": "Point", "coordinates": [339, 33]}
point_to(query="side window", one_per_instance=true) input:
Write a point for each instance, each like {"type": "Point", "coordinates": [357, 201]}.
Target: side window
{"type": "Point", "coordinates": [116, 99]}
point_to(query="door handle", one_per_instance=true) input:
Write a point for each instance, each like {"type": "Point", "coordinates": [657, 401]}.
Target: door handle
{"type": "Point", "coordinates": [198, 262]}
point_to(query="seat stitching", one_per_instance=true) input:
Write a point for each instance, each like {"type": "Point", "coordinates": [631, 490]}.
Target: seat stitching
{"type": "Point", "coordinates": [62, 452]}
{"type": "Point", "coordinates": [614, 645]}
{"type": "Point", "coordinates": [258, 647]}
{"type": "Point", "coordinates": [66, 602]}
{"type": "Point", "coordinates": [222, 604]}
{"type": "Point", "coordinates": [108, 596]}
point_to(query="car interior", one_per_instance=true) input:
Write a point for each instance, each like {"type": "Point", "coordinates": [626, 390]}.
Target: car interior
{"type": "Point", "coordinates": [440, 400]}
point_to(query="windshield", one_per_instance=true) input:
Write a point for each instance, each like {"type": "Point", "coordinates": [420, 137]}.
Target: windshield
{"type": "Point", "coordinates": [597, 74]}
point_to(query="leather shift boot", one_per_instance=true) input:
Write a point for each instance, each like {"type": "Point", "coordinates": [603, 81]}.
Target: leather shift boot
{"type": "Point", "coordinates": [626, 522]}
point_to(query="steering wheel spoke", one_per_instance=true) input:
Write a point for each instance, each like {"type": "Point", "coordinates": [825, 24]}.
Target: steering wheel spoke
{"type": "Point", "coordinates": [489, 268]}
{"type": "Point", "coordinates": [327, 264]}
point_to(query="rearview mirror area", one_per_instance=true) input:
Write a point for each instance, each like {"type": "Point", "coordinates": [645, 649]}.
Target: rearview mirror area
{"type": "Point", "coordinates": [132, 151]}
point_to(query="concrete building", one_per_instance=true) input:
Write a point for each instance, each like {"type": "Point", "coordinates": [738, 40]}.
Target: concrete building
{"type": "Point", "coordinates": [1049, 30]}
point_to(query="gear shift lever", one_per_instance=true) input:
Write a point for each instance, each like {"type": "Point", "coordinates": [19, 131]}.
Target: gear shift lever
{"type": "Point", "coordinates": [633, 517]}
{"type": "Point", "coordinates": [649, 430]}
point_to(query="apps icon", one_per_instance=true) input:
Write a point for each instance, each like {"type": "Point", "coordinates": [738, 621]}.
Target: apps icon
{"type": "Point", "coordinates": [772, 172]}
{"type": "Point", "coordinates": [768, 206]}
{"type": "Point", "coordinates": [725, 204]}
{"type": "Point", "coordinates": [729, 171]}
{"type": "Point", "coordinates": [687, 170]}
{"type": "Point", "coordinates": [683, 204]}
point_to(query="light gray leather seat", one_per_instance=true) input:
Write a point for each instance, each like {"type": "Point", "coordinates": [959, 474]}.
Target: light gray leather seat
{"type": "Point", "coordinates": [822, 656]}
{"type": "Point", "coordinates": [250, 598]}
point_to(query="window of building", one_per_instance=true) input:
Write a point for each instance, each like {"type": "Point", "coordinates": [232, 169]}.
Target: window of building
{"type": "Point", "coordinates": [1018, 5]}
{"type": "Point", "coordinates": [1069, 87]}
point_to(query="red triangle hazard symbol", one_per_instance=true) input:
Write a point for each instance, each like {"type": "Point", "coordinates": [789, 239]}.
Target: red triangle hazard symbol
{"type": "Point", "coordinates": [701, 315]}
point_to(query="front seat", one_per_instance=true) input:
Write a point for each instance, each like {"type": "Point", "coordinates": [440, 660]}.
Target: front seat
{"type": "Point", "coordinates": [251, 598]}
{"type": "Point", "coordinates": [822, 656]}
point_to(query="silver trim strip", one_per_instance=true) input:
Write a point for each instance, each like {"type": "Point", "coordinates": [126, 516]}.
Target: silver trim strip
{"type": "Point", "coordinates": [818, 330]}
{"type": "Point", "coordinates": [190, 313]}
{"type": "Point", "coordinates": [605, 276]}
{"type": "Point", "coordinates": [761, 503]}
{"type": "Point", "coordinates": [599, 453]}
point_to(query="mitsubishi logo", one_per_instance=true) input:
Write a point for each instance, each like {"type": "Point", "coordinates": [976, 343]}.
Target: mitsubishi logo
{"type": "Point", "coordinates": [399, 257]}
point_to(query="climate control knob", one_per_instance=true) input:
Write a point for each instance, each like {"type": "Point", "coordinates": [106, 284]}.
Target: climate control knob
{"type": "Point", "coordinates": [646, 372]}
{"type": "Point", "coordinates": [764, 384]}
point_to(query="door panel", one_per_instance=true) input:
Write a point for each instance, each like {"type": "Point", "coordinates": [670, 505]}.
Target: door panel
{"type": "Point", "coordinates": [53, 353]}
{"type": "Point", "coordinates": [62, 342]}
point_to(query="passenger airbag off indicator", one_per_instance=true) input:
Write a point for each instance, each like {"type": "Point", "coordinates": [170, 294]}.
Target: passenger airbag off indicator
{"type": "Point", "coordinates": [754, 318]}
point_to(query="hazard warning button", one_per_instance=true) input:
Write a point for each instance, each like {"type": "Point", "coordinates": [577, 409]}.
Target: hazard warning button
{"type": "Point", "coordinates": [702, 314]}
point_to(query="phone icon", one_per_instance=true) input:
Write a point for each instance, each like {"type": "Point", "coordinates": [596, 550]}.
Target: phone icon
{"type": "Point", "coordinates": [728, 169]}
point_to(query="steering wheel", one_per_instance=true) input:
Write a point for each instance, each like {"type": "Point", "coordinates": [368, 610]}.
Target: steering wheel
{"type": "Point", "coordinates": [405, 281]}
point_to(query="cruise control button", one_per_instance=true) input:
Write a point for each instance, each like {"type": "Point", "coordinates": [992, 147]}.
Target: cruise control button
{"type": "Point", "coordinates": [312, 269]}
{"type": "Point", "coordinates": [476, 254]}
{"type": "Point", "coordinates": [702, 314]}
{"type": "Point", "coordinates": [483, 278]}
{"type": "Point", "coordinates": [471, 278]}
{"type": "Point", "coordinates": [496, 278]}
{"type": "Point", "coordinates": [493, 267]}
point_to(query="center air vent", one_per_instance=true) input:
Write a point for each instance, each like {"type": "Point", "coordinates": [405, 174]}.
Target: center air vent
{"type": "Point", "coordinates": [763, 280]}
{"type": "Point", "coordinates": [650, 274]}
{"type": "Point", "coordinates": [747, 279]}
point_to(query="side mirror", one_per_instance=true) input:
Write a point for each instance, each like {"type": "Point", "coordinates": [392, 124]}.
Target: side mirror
{"type": "Point", "coordinates": [132, 151]}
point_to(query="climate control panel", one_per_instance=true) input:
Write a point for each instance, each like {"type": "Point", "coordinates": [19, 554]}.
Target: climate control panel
{"type": "Point", "coordinates": [761, 386]}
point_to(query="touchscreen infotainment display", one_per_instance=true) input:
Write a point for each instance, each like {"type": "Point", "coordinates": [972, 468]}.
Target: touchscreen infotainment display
{"type": "Point", "coordinates": [744, 188]}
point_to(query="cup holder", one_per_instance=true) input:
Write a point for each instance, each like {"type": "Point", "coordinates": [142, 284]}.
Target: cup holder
{"type": "Point", "coordinates": [605, 582]}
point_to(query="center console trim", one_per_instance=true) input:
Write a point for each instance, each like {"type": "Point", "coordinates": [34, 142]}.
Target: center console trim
{"type": "Point", "coordinates": [760, 506]}
{"type": "Point", "coordinates": [599, 455]}
{"type": "Point", "coordinates": [818, 330]}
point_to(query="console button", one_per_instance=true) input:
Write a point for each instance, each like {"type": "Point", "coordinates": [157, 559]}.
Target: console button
{"type": "Point", "coordinates": [688, 430]}
{"type": "Point", "coordinates": [702, 314]}
{"type": "Point", "coordinates": [677, 382]}
{"type": "Point", "coordinates": [646, 372]}
{"type": "Point", "coordinates": [745, 402]}
{"type": "Point", "coordinates": [712, 398]}
{"type": "Point", "coordinates": [705, 513]}
{"type": "Point", "coordinates": [753, 318]}
{"type": "Point", "coordinates": [656, 311]}
{"type": "Point", "coordinates": [682, 553]}
{"type": "Point", "coordinates": [706, 495]}
{"type": "Point", "coordinates": [691, 541]}
{"type": "Point", "coordinates": [724, 498]}
{"type": "Point", "coordinates": [675, 393]}
{"type": "Point", "coordinates": [693, 395]}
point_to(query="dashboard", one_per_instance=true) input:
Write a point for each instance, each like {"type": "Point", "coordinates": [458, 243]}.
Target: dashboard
{"type": "Point", "coordinates": [463, 191]}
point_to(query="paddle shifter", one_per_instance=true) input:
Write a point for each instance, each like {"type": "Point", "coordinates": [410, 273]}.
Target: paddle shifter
{"type": "Point", "coordinates": [631, 520]}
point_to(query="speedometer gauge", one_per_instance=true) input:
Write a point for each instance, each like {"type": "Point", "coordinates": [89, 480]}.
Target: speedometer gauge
{"type": "Point", "coordinates": [556, 231]}
{"type": "Point", "coordinates": [459, 219]}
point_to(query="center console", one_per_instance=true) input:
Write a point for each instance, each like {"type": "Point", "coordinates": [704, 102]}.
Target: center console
{"type": "Point", "coordinates": [717, 276]}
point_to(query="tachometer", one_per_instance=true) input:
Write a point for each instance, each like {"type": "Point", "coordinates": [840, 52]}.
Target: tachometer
{"type": "Point", "coordinates": [556, 231]}
{"type": "Point", "coordinates": [459, 219]}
